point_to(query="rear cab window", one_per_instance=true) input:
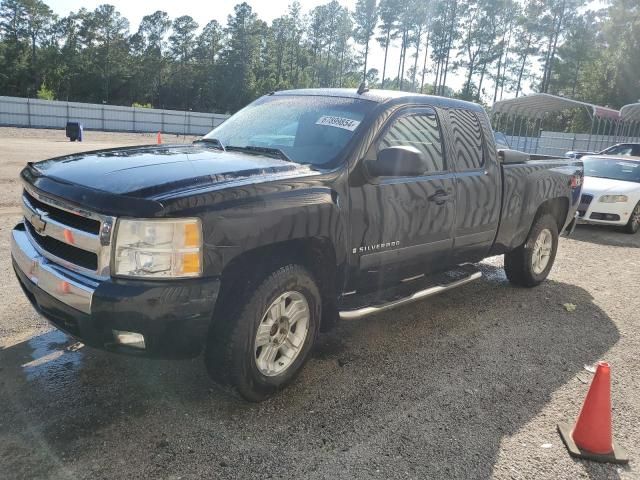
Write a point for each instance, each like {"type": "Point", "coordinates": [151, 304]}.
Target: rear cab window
{"type": "Point", "coordinates": [467, 140]}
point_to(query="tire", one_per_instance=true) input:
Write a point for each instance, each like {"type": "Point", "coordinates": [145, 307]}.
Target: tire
{"type": "Point", "coordinates": [633, 225]}
{"type": "Point", "coordinates": [526, 266]}
{"type": "Point", "coordinates": [257, 367]}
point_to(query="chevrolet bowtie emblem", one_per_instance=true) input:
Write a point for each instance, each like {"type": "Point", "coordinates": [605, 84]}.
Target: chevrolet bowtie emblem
{"type": "Point", "coordinates": [38, 222]}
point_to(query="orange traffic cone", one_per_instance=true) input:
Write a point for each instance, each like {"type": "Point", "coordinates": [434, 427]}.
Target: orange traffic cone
{"type": "Point", "coordinates": [159, 138]}
{"type": "Point", "coordinates": [592, 437]}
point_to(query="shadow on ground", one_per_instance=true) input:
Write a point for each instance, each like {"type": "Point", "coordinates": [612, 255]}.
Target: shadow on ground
{"type": "Point", "coordinates": [605, 235]}
{"type": "Point", "coordinates": [426, 391]}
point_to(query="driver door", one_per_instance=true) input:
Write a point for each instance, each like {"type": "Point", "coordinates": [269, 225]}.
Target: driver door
{"type": "Point", "coordinates": [401, 226]}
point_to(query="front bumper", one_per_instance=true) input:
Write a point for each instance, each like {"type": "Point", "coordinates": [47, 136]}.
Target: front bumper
{"type": "Point", "coordinates": [173, 316]}
{"type": "Point", "coordinates": [606, 213]}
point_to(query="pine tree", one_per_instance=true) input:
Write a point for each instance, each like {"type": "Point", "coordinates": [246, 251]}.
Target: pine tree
{"type": "Point", "coordinates": [365, 18]}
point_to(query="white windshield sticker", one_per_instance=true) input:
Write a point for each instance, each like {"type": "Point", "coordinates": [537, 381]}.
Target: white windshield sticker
{"type": "Point", "coordinates": [339, 122]}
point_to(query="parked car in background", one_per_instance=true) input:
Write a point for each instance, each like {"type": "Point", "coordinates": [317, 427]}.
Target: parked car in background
{"type": "Point", "coordinates": [611, 192]}
{"type": "Point", "coordinates": [621, 149]}
{"type": "Point", "coordinates": [502, 142]}
{"type": "Point", "coordinates": [247, 243]}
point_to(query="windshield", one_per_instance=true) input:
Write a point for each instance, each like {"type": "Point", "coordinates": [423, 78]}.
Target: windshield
{"type": "Point", "coordinates": [627, 171]}
{"type": "Point", "coordinates": [623, 150]}
{"type": "Point", "coordinates": [307, 129]}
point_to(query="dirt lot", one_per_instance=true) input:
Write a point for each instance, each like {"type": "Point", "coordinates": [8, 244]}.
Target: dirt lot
{"type": "Point", "coordinates": [470, 384]}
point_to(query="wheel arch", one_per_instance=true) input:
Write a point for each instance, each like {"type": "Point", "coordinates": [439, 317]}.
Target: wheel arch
{"type": "Point", "coordinates": [557, 207]}
{"type": "Point", "coordinates": [317, 254]}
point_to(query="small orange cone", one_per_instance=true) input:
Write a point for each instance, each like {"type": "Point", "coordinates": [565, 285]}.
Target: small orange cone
{"type": "Point", "coordinates": [159, 138]}
{"type": "Point", "coordinates": [592, 437]}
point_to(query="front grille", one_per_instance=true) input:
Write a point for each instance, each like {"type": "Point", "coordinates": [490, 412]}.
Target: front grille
{"type": "Point", "coordinates": [77, 239]}
{"type": "Point", "coordinates": [76, 221]}
{"type": "Point", "coordinates": [64, 251]}
{"type": "Point", "coordinates": [585, 201]}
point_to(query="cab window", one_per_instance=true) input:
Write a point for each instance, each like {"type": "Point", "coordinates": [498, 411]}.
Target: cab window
{"type": "Point", "coordinates": [420, 131]}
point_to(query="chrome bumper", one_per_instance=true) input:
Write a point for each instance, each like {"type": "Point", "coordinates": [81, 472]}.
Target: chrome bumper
{"type": "Point", "coordinates": [62, 284]}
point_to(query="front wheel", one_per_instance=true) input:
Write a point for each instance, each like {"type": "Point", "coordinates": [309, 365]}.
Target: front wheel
{"type": "Point", "coordinates": [530, 263]}
{"type": "Point", "coordinates": [260, 346]}
{"type": "Point", "coordinates": [634, 221]}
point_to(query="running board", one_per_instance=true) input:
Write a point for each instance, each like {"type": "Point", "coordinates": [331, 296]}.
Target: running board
{"type": "Point", "coordinates": [419, 295]}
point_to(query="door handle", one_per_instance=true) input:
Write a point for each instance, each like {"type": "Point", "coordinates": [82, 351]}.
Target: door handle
{"type": "Point", "coordinates": [440, 197]}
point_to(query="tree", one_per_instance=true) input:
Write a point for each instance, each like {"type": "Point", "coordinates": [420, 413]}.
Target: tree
{"type": "Point", "coordinates": [578, 52]}
{"type": "Point", "coordinates": [149, 45]}
{"type": "Point", "coordinates": [555, 46]}
{"type": "Point", "coordinates": [209, 46]}
{"type": "Point", "coordinates": [446, 31]}
{"type": "Point", "coordinates": [420, 19]}
{"type": "Point", "coordinates": [45, 93]}
{"type": "Point", "coordinates": [388, 11]}
{"type": "Point", "coordinates": [345, 30]}
{"type": "Point", "coordinates": [621, 42]}
{"type": "Point", "coordinates": [317, 34]}
{"type": "Point", "coordinates": [506, 16]}
{"type": "Point", "coordinates": [181, 49]}
{"type": "Point", "coordinates": [558, 17]}
{"type": "Point", "coordinates": [239, 58]}
{"type": "Point", "coordinates": [528, 37]}
{"type": "Point", "coordinates": [14, 61]}
{"type": "Point", "coordinates": [297, 28]}
{"type": "Point", "coordinates": [104, 35]}
{"type": "Point", "coordinates": [38, 18]}
{"type": "Point", "coordinates": [365, 18]}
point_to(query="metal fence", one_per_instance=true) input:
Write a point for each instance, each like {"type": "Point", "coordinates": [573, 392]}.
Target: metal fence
{"type": "Point", "coordinates": [558, 143]}
{"type": "Point", "coordinates": [25, 112]}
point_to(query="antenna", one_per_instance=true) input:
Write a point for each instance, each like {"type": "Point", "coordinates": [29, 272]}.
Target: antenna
{"type": "Point", "coordinates": [363, 88]}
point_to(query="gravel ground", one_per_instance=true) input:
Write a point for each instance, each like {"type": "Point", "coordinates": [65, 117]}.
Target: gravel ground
{"type": "Point", "coordinates": [470, 384]}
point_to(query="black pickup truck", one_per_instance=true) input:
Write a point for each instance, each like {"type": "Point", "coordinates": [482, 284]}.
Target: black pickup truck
{"type": "Point", "coordinates": [303, 208]}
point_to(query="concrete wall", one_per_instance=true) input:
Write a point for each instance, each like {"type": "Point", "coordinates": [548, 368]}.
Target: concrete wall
{"type": "Point", "coordinates": [24, 112]}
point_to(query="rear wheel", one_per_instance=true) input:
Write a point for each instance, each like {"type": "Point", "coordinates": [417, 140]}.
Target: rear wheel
{"type": "Point", "coordinates": [266, 334]}
{"type": "Point", "coordinates": [633, 225]}
{"type": "Point", "coordinates": [530, 263]}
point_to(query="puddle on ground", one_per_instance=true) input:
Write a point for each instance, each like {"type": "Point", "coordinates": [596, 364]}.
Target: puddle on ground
{"type": "Point", "coordinates": [55, 356]}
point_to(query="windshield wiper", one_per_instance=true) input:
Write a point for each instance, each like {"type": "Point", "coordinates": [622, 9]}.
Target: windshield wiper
{"type": "Point", "coordinates": [212, 141]}
{"type": "Point", "coordinates": [269, 151]}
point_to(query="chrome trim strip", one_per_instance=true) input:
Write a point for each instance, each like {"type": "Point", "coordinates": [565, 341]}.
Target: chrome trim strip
{"type": "Point", "coordinates": [62, 206]}
{"type": "Point", "coordinates": [68, 289]}
{"type": "Point", "coordinates": [366, 311]}
{"type": "Point", "coordinates": [411, 279]}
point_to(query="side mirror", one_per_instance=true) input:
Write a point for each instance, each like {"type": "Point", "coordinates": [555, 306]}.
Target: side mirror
{"type": "Point", "coordinates": [400, 161]}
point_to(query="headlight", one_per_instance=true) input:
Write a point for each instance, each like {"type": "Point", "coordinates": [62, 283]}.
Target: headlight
{"type": "Point", "coordinates": [614, 199]}
{"type": "Point", "coordinates": [158, 248]}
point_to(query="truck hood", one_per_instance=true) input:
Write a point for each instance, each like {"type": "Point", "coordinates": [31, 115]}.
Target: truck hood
{"type": "Point", "coordinates": [600, 186]}
{"type": "Point", "coordinates": [155, 171]}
